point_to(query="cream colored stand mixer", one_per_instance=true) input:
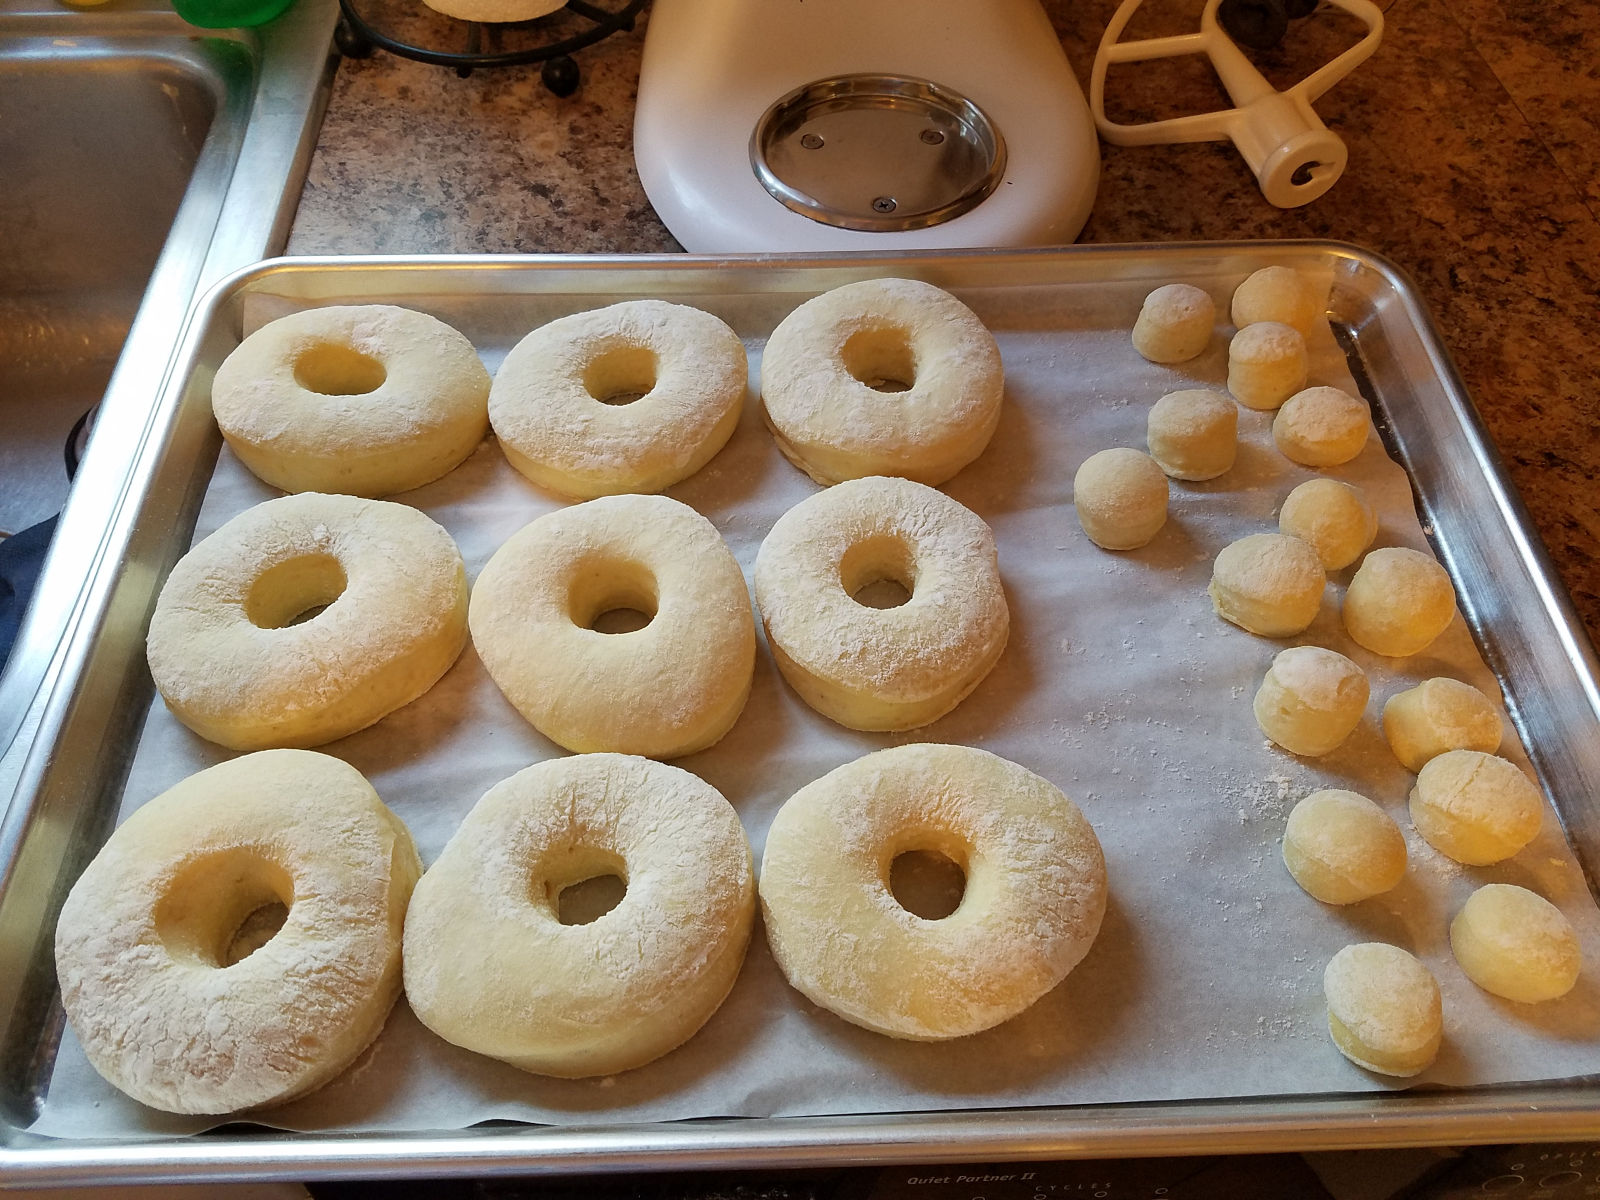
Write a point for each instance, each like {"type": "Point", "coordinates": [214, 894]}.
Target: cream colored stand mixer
{"type": "Point", "coordinates": [767, 125]}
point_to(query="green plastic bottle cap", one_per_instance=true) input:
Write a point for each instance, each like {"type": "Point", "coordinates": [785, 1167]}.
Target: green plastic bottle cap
{"type": "Point", "coordinates": [229, 14]}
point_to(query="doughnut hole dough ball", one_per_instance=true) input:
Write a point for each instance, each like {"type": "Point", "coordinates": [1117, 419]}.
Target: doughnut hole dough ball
{"type": "Point", "coordinates": [1437, 715]}
{"type": "Point", "coordinates": [1121, 498]}
{"type": "Point", "coordinates": [1034, 897]}
{"type": "Point", "coordinates": [882, 377]}
{"type": "Point", "coordinates": [237, 659]}
{"type": "Point", "coordinates": [882, 668]}
{"type": "Point", "coordinates": [1516, 944]}
{"type": "Point", "coordinates": [670, 688]}
{"type": "Point", "coordinates": [364, 400]}
{"type": "Point", "coordinates": [1174, 323]}
{"type": "Point", "coordinates": [1321, 427]}
{"type": "Point", "coordinates": [1193, 434]}
{"type": "Point", "coordinates": [1475, 808]}
{"type": "Point", "coordinates": [1334, 517]}
{"type": "Point", "coordinates": [1278, 294]}
{"type": "Point", "coordinates": [1384, 1011]}
{"type": "Point", "coordinates": [180, 990]}
{"type": "Point", "coordinates": [1268, 583]}
{"type": "Point", "coordinates": [1341, 847]}
{"type": "Point", "coordinates": [1398, 601]}
{"type": "Point", "coordinates": [634, 397]}
{"type": "Point", "coordinates": [1266, 364]}
{"type": "Point", "coordinates": [490, 964]}
{"type": "Point", "coordinates": [1311, 699]}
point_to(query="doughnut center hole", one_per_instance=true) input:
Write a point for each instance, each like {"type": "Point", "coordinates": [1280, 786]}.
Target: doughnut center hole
{"type": "Point", "coordinates": [879, 571]}
{"type": "Point", "coordinates": [585, 886]}
{"type": "Point", "coordinates": [294, 591]}
{"type": "Point", "coordinates": [221, 908]}
{"type": "Point", "coordinates": [621, 374]}
{"type": "Point", "coordinates": [610, 596]}
{"type": "Point", "coordinates": [332, 369]}
{"type": "Point", "coordinates": [927, 883]}
{"type": "Point", "coordinates": [255, 931]}
{"type": "Point", "coordinates": [882, 358]}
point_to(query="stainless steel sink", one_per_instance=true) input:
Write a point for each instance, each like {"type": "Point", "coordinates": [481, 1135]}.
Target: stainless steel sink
{"type": "Point", "coordinates": [100, 137]}
{"type": "Point", "coordinates": [142, 160]}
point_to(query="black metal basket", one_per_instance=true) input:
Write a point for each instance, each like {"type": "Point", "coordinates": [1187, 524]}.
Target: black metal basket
{"type": "Point", "coordinates": [410, 29]}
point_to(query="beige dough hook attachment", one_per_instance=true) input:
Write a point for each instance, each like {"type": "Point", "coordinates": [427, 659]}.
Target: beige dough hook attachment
{"type": "Point", "coordinates": [1294, 156]}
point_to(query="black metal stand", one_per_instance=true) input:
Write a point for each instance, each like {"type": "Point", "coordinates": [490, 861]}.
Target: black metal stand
{"type": "Point", "coordinates": [357, 37]}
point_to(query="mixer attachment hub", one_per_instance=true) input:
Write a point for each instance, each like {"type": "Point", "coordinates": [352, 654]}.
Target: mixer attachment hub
{"type": "Point", "coordinates": [877, 152]}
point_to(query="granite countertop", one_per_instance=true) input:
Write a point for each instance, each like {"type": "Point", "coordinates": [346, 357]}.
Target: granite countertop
{"type": "Point", "coordinates": [1474, 165]}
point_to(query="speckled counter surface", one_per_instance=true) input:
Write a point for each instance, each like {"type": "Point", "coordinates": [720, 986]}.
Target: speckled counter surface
{"type": "Point", "coordinates": [1474, 165]}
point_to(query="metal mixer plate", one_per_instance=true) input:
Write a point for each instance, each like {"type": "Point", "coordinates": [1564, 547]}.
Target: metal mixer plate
{"type": "Point", "coordinates": [877, 152]}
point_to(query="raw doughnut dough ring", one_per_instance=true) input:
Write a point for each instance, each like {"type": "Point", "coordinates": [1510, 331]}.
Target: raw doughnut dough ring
{"type": "Point", "coordinates": [1475, 808]}
{"type": "Point", "coordinates": [170, 1000]}
{"type": "Point", "coordinates": [1266, 364]}
{"type": "Point", "coordinates": [1321, 427]}
{"type": "Point", "coordinates": [1515, 943]}
{"type": "Point", "coordinates": [826, 367]}
{"type": "Point", "coordinates": [1121, 498]}
{"type": "Point", "coordinates": [237, 662]}
{"type": "Point", "coordinates": [553, 401]}
{"type": "Point", "coordinates": [1341, 847]}
{"type": "Point", "coordinates": [1398, 601]}
{"type": "Point", "coordinates": [1174, 323]}
{"type": "Point", "coordinates": [1193, 433]}
{"type": "Point", "coordinates": [889, 668]}
{"type": "Point", "coordinates": [1437, 715]}
{"type": "Point", "coordinates": [1334, 517]}
{"type": "Point", "coordinates": [670, 688]}
{"type": "Point", "coordinates": [1384, 1011]}
{"type": "Point", "coordinates": [1268, 583]}
{"type": "Point", "coordinates": [1035, 890]}
{"type": "Point", "coordinates": [1311, 700]}
{"type": "Point", "coordinates": [364, 400]}
{"type": "Point", "coordinates": [489, 964]}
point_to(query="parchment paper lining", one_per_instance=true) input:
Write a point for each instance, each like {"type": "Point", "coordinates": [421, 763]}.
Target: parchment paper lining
{"type": "Point", "coordinates": [1119, 684]}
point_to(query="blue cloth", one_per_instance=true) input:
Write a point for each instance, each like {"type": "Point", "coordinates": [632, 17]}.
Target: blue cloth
{"type": "Point", "coordinates": [21, 559]}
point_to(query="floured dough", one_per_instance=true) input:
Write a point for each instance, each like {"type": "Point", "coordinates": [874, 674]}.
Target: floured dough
{"type": "Point", "coordinates": [629, 398]}
{"type": "Point", "coordinates": [1342, 848]}
{"type": "Point", "coordinates": [1334, 517]}
{"type": "Point", "coordinates": [1279, 294]}
{"type": "Point", "coordinates": [354, 399]}
{"type": "Point", "coordinates": [1174, 324]}
{"type": "Point", "coordinates": [1398, 601]}
{"type": "Point", "coordinates": [1193, 433]}
{"type": "Point", "coordinates": [1439, 715]}
{"type": "Point", "coordinates": [1321, 427]}
{"type": "Point", "coordinates": [1384, 1011]}
{"type": "Point", "coordinates": [882, 377]}
{"type": "Point", "coordinates": [491, 966]}
{"type": "Point", "coordinates": [237, 659]}
{"type": "Point", "coordinates": [171, 990]}
{"type": "Point", "coordinates": [1035, 890]}
{"type": "Point", "coordinates": [1475, 808]}
{"type": "Point", "coordinates": [1267, 364]}
{"type": "Point", "coordinates": [670, 688]}
{"type": "Point", "coordinates": [1516, 944]}
{"type": "Point", "coordinates": [1268, 583]}
{"type": "Point", "coordinates": [1121, 498]}
{"type": "Point", "coordinates": [1311, 699]}
{"type": "Point", "coordinates": [882, 668]}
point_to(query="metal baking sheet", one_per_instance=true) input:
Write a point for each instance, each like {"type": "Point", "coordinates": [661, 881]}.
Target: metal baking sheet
{"type": "Point", "coordinates": [71, 785]}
